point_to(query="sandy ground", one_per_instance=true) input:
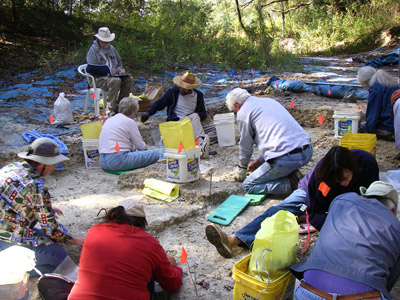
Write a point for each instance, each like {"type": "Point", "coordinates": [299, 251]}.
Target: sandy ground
{"type": "Point", "coordinates": [81, 193]}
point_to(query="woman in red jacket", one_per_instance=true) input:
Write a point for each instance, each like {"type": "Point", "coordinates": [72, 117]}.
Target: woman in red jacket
{"type": "Point", "coordinates": [120, 260]}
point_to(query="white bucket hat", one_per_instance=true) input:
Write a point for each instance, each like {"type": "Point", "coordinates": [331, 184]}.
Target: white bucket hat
{"type": "Point", "coordinates": [44, 151]}
{"type": "Point", "coordinates": [383, 189]}
{"type": "Point", "coordinates": [105, 35]}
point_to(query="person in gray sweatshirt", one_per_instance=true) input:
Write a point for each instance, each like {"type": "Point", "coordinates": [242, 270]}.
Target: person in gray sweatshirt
{"type": "Point", "coordinates": [105, 64]}
{"type": "Point", "coordinates": [283, 144]}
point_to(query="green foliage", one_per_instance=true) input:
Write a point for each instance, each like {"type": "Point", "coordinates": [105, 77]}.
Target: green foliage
{"type": "Point", "coordinates": [156, 35]}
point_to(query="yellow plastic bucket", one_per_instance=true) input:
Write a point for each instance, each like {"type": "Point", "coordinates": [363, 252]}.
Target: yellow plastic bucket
{"type": "Point", "coordinates": [91, 131]}
{"type": "Point", "coordinates": [362, 141]}
{"type": "Point", "coordinates": [248, 287]}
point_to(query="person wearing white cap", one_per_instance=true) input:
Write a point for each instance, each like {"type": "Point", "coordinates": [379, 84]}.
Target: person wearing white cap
{"type": "Point", "coordinates": [184, 100]}
{"type": "Point", "coordinates": [27, 217]}
{"type": "Point", "coordinates": [119, 260]}
{"type": "Point", "coordinates": [357, 253]}
{"type": "Point", "coordinates": [103, 60]}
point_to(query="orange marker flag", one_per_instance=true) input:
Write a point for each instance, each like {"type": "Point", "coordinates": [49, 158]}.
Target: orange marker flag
{"type": "Point", "coordinates": [93, 95]}
{"type": "Point", "coordinates": [184, 256]}
{"type": "Point", "coordinates": [197, 142]}
{"type": "Point", "coordinates": [329, 92]}
{"type": "Point", "coordinates": [117, 148]}
{"type": "Point", "coordinates": [51, 119]}
{"type": "Point", "coordinates": [320, 120]}
{"type": "Point", "coordinates": [291, 104]}
{"type": "Point", "coordinates": [324, 188]}
{"type": "Point", "coordinates": [359, 107]}
{"type": "Point", "coordinates": [252, 71]}
{"type": "Point", "coordinates": [180, 148]}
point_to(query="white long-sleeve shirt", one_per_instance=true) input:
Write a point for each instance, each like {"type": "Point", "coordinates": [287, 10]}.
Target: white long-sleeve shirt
{"type": "Point", "coordinates": [123, 130]}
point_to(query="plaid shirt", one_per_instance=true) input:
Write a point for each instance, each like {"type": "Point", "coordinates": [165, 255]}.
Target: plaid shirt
{"type": "Point", "coordinates": [25, 204]}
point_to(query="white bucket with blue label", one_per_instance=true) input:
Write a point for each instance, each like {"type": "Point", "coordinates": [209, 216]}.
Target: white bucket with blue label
{"type": "Point", "coordinates": [346, 122]}
{"type": "Point", "coordinates": [183, 166]}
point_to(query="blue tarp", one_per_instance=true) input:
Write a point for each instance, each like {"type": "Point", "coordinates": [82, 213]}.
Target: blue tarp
{"type": "Point", "coordinates": [330, 91]}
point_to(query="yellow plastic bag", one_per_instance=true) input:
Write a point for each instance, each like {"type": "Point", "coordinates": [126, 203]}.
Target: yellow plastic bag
{"type": "Point", "coordinates": [160, 190]}
{"type": "Point", "coordinates": [180, 131]}
{"type": "Point", "coordinates": [91, 131]}
{"type": "Point", "coordinates": [274, 248]}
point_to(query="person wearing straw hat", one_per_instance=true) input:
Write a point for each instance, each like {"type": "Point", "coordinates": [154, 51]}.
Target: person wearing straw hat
{"type": "Point", "coordinates": [184, 100]}
{"type": "Point", "coordinates": [357, 253]}
{"type": "Point", "coordinates": [120, 260]}
{"type": "Point", "coordinates": [103, 60]}
{"type": "Point", "coordinates": [27, 217]}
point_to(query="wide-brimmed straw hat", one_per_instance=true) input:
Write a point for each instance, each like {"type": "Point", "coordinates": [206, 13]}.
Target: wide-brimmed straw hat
{"type": "Point", "coordinates": [44, 151]}
{"type": "Point", "coordinates": [382, 189]}
{"type": "Point", "coordinates": [133, 208]}
{"type": "Point", "coordinates": [104, 34]}
{"type": "Point", "coordinates": [187, 81]}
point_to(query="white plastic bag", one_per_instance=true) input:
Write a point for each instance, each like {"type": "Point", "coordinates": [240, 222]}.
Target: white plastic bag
{"type": "Point", "coordinates": [62, 111]}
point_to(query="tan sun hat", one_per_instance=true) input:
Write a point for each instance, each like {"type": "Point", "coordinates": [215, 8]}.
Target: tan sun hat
{"type": "Point", "coordinates": [187, 81]}
{"type": "Point", "coordinates": [44, 151]}
{"type": "Point", "coordinates": [133, 208]}
{"type": "Point", "coordinates": [104, 34]}
{"type": "Point", "coordinates": [383, 189]}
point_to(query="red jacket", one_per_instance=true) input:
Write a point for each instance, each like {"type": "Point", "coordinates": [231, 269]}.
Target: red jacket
{"type": "Point", "coordinates": [118, 261]}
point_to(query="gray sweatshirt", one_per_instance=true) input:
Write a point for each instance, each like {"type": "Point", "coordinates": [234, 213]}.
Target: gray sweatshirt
{"type": "Point", "coordinates": [98, 55]}
{"type": "Point", "coordinates": [266, 123]}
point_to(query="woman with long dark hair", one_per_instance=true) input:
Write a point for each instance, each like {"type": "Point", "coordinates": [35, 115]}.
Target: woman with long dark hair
{"type": "Point", "coordinates": [340, 171]}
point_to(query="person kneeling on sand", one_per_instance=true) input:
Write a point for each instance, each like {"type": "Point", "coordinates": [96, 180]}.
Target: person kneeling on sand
{"type": "Point", "coordinates": [184, 100]}
{"type": "Point", "coordinates": [378, 118]}
{"type": "Point", "coordinates": [27, 217]}
{"type": "Point", "coordinates": [357, 252]}
{"type": "Point", "coordinates": [120, 136]}
{"type": "Point", "coordinates": [283, 144]}
{"type": "Point", "coordinates": [121, 261]}
{"type": "Point", "coordinates": [340, 171]}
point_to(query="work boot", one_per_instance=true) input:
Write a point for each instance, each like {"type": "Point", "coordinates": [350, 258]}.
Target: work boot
{"type": "Point", "coordinates": [294, 179]}
{"type": "Point", "coordinates": [205, 146]}
{"type": "Point", "coordinates": [220, 240]}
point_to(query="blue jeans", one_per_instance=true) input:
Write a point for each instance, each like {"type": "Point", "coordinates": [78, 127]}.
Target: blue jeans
{"type": "Point", "coordinates": [47, 257]}
{"type": "Point", "coordinates": [130, 160]}
{"type": "Point", "coordinates": [272, 176]}
{"type": "Point", "coordinates": [291, 203]}
{"type": "Point", "coordinates": [304, 294]}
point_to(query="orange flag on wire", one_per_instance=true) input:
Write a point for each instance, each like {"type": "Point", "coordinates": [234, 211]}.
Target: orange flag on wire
{"type": "Point", "coordinates": [359, 107]}
{"type": "Point", "coordinates": [291, 104]}
{"type": "Point", "coordinates": [320, 120]}
{"type": "Point", "coordinates": [51, 119]}
{"type": "Point", "coordinates": [329, 92]}
{"type": "Point", "coordinates": [180, 147]}
{"type": "Point", "coordinates": [197, 142]}
{"type": "Point", "coordinates": [184, 256]}
{"type": "Point", "coordinates": [117, 148]}
{"type": "Point", "coordinates": [93, 95]}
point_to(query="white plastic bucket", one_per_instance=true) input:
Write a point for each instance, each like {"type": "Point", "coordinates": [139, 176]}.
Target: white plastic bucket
{"type": "Point", "coordinates": [225, 127]}
{"type": "Point", "coordinates": [346, 122]}
{"type": "Point", "coordinates": [91, 153]}
{"type": "Point", "coordinates": [183, 167]}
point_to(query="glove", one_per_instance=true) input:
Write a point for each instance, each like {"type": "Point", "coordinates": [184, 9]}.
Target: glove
{"type": "Point", "coordinates": [144, 117]}
{"type": "Point", "coordinates": [240, 173]}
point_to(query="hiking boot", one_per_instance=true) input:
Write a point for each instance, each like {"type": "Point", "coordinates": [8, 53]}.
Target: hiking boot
{"type": "Point", "coordinates": [220, 240]}
{"type": "Point", "coordinates": [205, 147]}
{"type": "Point", "coordinates": [294, 179]}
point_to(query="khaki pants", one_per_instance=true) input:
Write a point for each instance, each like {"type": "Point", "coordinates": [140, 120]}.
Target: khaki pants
{"type": "Point", "coordinates": [113, 85]}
